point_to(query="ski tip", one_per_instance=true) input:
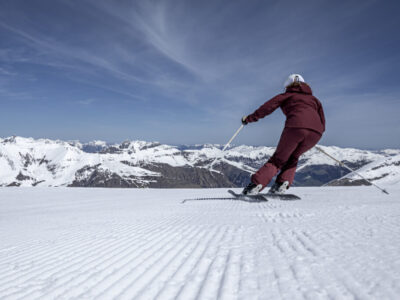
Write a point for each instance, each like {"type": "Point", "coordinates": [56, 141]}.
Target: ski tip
{"type": "Point", "coordinates": [385, 191]}
{"type": "Point", "coordinates": [233, 193]}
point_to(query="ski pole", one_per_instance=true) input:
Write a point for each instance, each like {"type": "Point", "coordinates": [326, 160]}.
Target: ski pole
{"type": "Point", "coordinates": [348, 168]}
{"type": "Point", "coordinates": [227, 144]}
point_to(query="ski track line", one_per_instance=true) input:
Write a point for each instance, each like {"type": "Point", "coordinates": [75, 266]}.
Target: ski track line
{"type": "Point", "coordinates": [248, 283]}
{"type": "Point", "coordinates": [280, 217]}
{"type": "Point", "coordinates": [209, 287]}
{"type": "Point", "coordinates": [367, 264]}
{"type": "Point", "coordinates": [342, 275]}
{"type": "Point", "coordinates": [50, 262]}
{"type": "Point", "coordinates": [113, 260]}
{"type": "Point", "coordinates": [43, 245]}
{"type": "Point", "coordinates": [266, 282]}
{"type": "Point", "coordinates": [64, 247]}
{"type": "Point", "coordinates": [339, 283]}
{"type": "Point", "coordinates": [117, 260]}
{"type": "Point", "coordinates": [46, 274]}
{"type": "Point", "coordinates": [71, 244]}
{"type": "Point", "coordinates": [200, 270]}
{"type": "Point", "coordinates": [81, 255]}
{"type": "Point", "coordinates": [169, 279]}
{"type": "Point", "coordinates": [301, 261]}
{"type": "Point", "coordinates": [162, 263]}
{"type": "Point", "coordinates": [216, 272]}
{"type": "Point", "coordinates": [290, 246]}
{"type": "Point", "coordinates": [26, 250]}
{"type": "Point", "coordinates": [223, 267]}
{"type": "Point", "coordinates": [184, 274]}
{"type": "Point", "coordinates": [38, 209]}
{"type": "Point", "coordinates": [359, 261]}
{"type": "Point", "coordinates": [307, 268]}
{"type": "Point", "coordinates": [230, 281]}
{"type": "Point", "coordinates": [286, 280]}
{"type": "Point", "coordinates": [120, 279]}
{"type": "Point", "coordinates": [74, 279]}
{"type": "Point", "coordinates": [151, 274]}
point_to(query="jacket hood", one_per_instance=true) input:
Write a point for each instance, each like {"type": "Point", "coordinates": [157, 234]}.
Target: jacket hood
{"type": "Point", "coordinates": [303, 88]}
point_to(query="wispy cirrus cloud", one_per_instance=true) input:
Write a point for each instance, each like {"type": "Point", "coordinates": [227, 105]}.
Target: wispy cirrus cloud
{"type": "Point", "coordinates": [216, 60]}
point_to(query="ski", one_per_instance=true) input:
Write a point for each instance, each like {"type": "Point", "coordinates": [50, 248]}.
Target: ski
{"type": "Point", "coordinates": [210, 198]}
{"type": "Point", "coordinates": [266, 196]}
{"type": "Point", "coordinates": [233, 198]}
{"type": "Point", "coordinates": [263, 197]}
{"type": "Point", "coordinates": [282, 196]}
{"type": "Point", "coordinates": [249, 198]}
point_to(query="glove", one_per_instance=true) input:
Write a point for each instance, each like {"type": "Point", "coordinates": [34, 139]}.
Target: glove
{"type": "Point", "coordinates": [244, 120]}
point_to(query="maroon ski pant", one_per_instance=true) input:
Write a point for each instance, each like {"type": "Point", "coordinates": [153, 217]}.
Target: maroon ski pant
{"type": "Point", "coordinates": [293, 143]}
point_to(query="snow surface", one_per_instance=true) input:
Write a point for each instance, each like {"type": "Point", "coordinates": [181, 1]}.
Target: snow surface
{"type": "Point", "coordinates": [72, 243]}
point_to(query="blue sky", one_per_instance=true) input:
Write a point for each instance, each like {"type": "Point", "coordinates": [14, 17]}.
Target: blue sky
{"type": "Point", "coordinates": [185, 72]}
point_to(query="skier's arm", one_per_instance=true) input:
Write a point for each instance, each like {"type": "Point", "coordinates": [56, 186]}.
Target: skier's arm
{"type": "Point", "coordinates": [267, 108]}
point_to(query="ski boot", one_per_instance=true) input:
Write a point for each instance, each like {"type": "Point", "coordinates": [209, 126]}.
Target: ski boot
{"type": "Point", "coordinates": [279, 188]}
{"type": "Point", "coordinates": [252, 189]}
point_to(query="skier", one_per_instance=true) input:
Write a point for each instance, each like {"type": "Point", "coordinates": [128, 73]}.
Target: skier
{"type": "Point", "coordinates": [304, 126]}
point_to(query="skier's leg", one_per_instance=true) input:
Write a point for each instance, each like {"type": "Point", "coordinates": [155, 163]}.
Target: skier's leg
{"type": "Point", "coordinates": [264, 175]}
{"type": "Point", "coordinates": [289, 169]}
{"type": "Point", "coordinates": [288, 142]}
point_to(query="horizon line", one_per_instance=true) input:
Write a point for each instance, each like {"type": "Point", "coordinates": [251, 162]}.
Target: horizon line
{"type": "Point", "coordinates": [110, 143]}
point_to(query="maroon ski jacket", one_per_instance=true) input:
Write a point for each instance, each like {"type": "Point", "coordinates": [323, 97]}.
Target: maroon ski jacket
{"type": "Point", "coordinates": [301, 108]}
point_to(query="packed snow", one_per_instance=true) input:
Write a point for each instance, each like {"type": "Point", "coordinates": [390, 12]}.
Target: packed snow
{"type": "Point", "coordinates": [73, 243]}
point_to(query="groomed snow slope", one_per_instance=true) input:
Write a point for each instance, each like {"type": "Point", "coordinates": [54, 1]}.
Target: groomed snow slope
{"type": "Point", "coordinates": [336, 243]}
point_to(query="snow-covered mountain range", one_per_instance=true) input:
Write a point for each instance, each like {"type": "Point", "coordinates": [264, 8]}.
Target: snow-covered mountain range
{"type": "Point", "coordinates": [44, 162]}
{"type": "Point", "coordinates": [383, 171]}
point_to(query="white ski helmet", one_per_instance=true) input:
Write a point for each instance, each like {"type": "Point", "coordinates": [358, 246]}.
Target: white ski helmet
{"type": "Point", "coordinates": [293, 78]}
